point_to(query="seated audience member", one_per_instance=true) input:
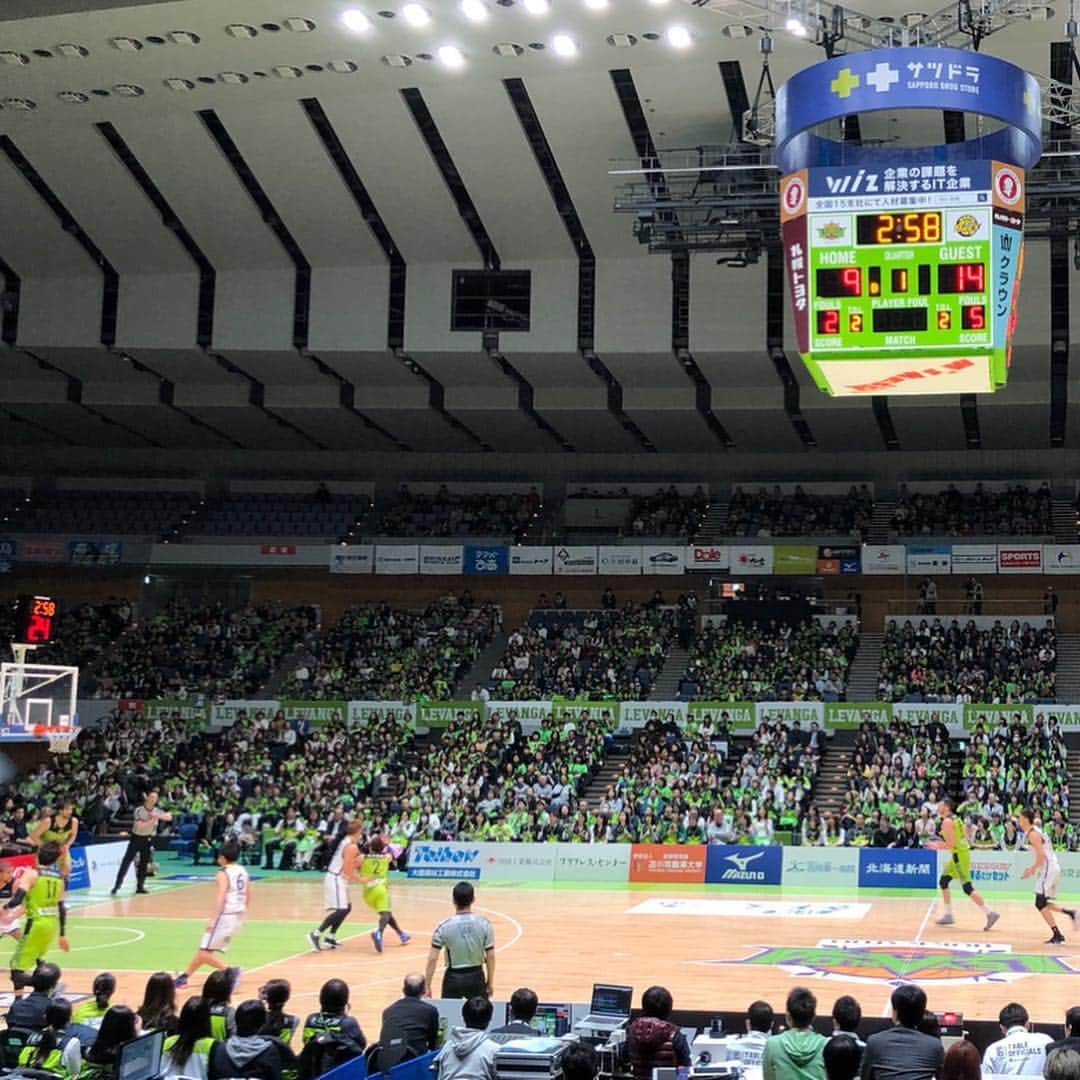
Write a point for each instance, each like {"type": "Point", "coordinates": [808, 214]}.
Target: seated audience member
{"type": "Point", "coordinates": [249, 1054]}
{"type": "Point", "coordinates": [217, 992]}
{"type": "Point", "coordinates": [158, 1009]}
{"type": "Point", "coordinates": [468, 1054]}
{"type": "Point", "coordinates": [1062, 1065]}
{"type": "Point", "coordinates": [410, 1026]}
{"type": "Point", "coordinates": [795, 1054]}
{"type": "Point", "coordinates": [846, 1015]}
{"type": "Point", "coordinates": [54, 1049]}
{"type": "Point", "coordinates": [841, 1056]}
{"type": "Point", "coordinates": [962, 1062]}
{"type": "Point", "coordinates": [580, 1062]}
{"type": "Point", "coordinates": [652, 1040]}
{"type": "Point", "coordinates": [91, 1011]}
{"type": "Point", "coordinates": [333, 1015]}
{"type": "Point", "coordinates": [118, 1026]}
{"type": "Point", "coordinates": [187, 1053]}
{"type": "Point", "coordinates": [29, 1011]}
{"type": "Point", "coordinates": [750, 1048]}
{"type": "Point", "coordinates": [903, 1052]}
{"type": "Point", "coordinates": [1071, 1040]}
{"type": "Point", "coordinates": [280, 1024]}
{"type": "Point", "coordinates": [523, 1002]}
{"type": "Point", "coordinates": [1022, 1052]}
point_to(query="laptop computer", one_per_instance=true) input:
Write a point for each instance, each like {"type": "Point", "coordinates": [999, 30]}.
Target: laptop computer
{"type": "Point", "coordinates": [609, 1008]}
{"type": "Point", "coordinates": [140, 1059]}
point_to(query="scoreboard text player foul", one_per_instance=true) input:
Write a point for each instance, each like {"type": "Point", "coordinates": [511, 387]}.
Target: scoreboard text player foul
{"type": "Point", "coordinates": [904, 265]}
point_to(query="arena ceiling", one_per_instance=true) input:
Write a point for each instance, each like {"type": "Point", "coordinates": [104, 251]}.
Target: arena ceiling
{"type": "Point", "coordinates": [219, 238]}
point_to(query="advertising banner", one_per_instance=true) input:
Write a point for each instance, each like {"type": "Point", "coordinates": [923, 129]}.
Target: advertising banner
{"type": "Point", "coordinates": [316, 713]}
{"type": "Point", "coordinates": [397, 558]}
{"type": "Point", "coordinates": [571, 561]}
{"type": "Point", "coordinates": [838, 560]}
{"type": "Point", "coordinates": [482, 861]}
{"type": "Point", "coordinates": [897, 868]}
{"type": "Point", "coordinates": [751, 560]}
{"type": "Point", "coordinates": [442, 559]}
{"type": "Point", "coordinates": [992, 715]}
{"type": "Point", "coordinates": [661, 559]}
{"type": "Point", "coordinates": [357, 559]}
{"type": "Point", "coordinates": [1067, 716]}
{"type": "Point", "coordinates": [822, 867]}
{"type": "Point", "coordinates": [738, 715]}
{"type": "Point", "coordinates": [1017, 559]}
{"type": "Point", "coordinates": [80, 869]}
{"type": "Point", "coordinates": [440, 714]}
{"type": "Point", "coordinates": [224, 714]}
{"type": "Point", "coordinates": [43, 551]}
{"type": "Point", "coordinates": [929, 558]}
{"type": "Point", "coordinates": [974, 558]}
{"type": "Point", "coordinates": [708, 557]}
{"type": "Point", "coordinates": [795, 559]}
{"type": "Point", "coordinates": [360, 713]}
{"type": "Point", "coordinates": [806, 712]}
{"type": "Point", "coordinates": [952, 716]}
{"type": "Point", "coordinates": [492, 559]}
{"type": "Point", "coordinates": [744, 865]}
{"type": "Point", "coordinates": [592, 862]}
{"type": "Point", "coordinates": [667, 862]}
{"type": "Point", "coordinates": [193, 712]}
{"type": "Point", "coordinates": [635, 714]}
{"type": "Point", "coordinates": [619, 560]}
{"type": "Point", "coordinates": [104, 861]}
{"type": "Point", "coordinates": [529, 714]}
{"type": "Point", "coordinates": [1061, 558]}
{"type": "Point", "coordinates": [95, 552]}
{"type": "Point", "coordinates": [530, 560]}
{"type": "Point", "coordinates": [569, 708]}
{"type": "Point", "coordinates": [9, 550]}
{"type": "Point", "coordinates": [851, 714]}
{"type": "Point", "coordinates": [884, 559]}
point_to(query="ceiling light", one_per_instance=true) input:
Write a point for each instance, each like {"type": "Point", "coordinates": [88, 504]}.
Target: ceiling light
{"type": "Point", "coordinates": [128, 90]}
{"type": "Point", "coordinates": [474, 9]}
{"type": "Point", "coordinates": [66, 48]}
{"type": "Point", "coordinates": [536, 7]}
{"type": "Point", "coordinates": [355, 20]}
{"type": "Point", "coordinates": [678, 37]}
{"type": "Point", "coordinates": [241, 30]}
{"type": "Point", "coordinates": [127, 44]}
{"type": "Point", "coordinates": [9, 57]}
{"type": "Point", "coordinates": [596, 5]}
{"type": "Point", "coordinates": [299, 25]}
{"type": "Point", "coordinates": [343, 67]}
{"type": "Point", "coordinates": [564, 45]}
{"type": "Point", "coordinates": [795, 27]}
{"type": "Point", "coordinates": [73, 97]}
{"type": "Point", "coordinates": [183, 37]}
{"type": "Point", "coordinates": [450, 56]}
{"type": "Point", "coordinates": [180, 84]}
{"type": "Point", "coordinates": [658, 3]}
{"type": "Point", "coordinates": [415, 15]}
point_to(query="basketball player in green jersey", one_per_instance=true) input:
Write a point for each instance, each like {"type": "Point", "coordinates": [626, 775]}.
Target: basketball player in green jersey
{"type": "Point", "coordinates": [373, 873]}
{"type": "Point", "coordinates": [958, 866]}
{"type": "Point", "coordinates": [40, 889]}
{"type": "Point", "coordinates": [58, 827]}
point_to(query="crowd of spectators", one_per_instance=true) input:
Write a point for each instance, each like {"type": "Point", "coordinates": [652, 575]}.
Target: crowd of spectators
{"type": "Point", "coordinates": [668, 513]}
{"type": "Point", "coordinates": [1013, 511]}
{"type": "Point", "coordinates": [799, 513]}
{"type": "Point", "coordinates": [612, 653]}
{"type": "Point", "coordinates": [740, 661]}
{"type": "Point", "coordinates": [385, 653]}
{"type": "Point", "coordinates": [183, 651]}
{"type": "Point", "coordinates": [455, 514]}
{"type": "Point", "coordinates": [934, 661]}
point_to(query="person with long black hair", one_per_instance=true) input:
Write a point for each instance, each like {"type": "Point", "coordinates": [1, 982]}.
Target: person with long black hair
{"type": "Point", "coordinates": [91, 1011]}
{"type": "Point", "coordinates": [279, 1024]}
{"type": "Point", "coordinates": [187, 1053]}
{"type": "Point", "coordinates": [118, 1026]}
{"type": "Point", "coordinates": [158, 1009]}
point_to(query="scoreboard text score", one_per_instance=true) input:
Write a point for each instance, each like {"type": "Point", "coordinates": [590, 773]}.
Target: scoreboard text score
{"type": "Point", "coordinates": [34, 620]}
{"type": "Point", "coordinates": [904, 291]}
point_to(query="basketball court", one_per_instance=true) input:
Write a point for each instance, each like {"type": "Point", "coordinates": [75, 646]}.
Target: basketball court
{"type": "Point", "coordinates": [716, 948]}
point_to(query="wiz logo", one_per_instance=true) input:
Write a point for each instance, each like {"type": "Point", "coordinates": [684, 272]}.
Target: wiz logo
{"type": "Point", "coordinates": [849, 185]}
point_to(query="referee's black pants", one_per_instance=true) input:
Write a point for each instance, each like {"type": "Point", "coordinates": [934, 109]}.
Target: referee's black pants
{"type": "Point", "coordinates": [139, 848]}
{"type": "Point", "coordinates": [464, 983]}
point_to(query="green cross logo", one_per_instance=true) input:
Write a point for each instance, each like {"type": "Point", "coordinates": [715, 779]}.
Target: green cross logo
{"type": "Point", "coordinates": [844, 83]}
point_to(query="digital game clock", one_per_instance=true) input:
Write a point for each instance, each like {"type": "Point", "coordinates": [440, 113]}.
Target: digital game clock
{"type": "Point", "coordinates": [34, 620]}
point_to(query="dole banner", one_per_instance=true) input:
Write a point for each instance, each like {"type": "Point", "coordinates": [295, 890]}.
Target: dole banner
{"type": "Point", "coordinates": [531, 560]}
{"type": "Point", "coordinates": [442, 559]}
{"type": "Point", "coordinates": [571, 561]}
{"type": "Point", "coordinates": [357, 559]}
{"type": "Point", "coordinates": [660, 559]}
{"type": "Point", "coordinates": [795, 559]}
{"type": "Point", "coordinates": [708, 557]}
{"type": "Point", "coordinates": [929, 558]}
{"type": "Point", "coordinates": [492, 559]}
{"type": "Point", "coordinates": [397, 558]}
{"type": "Point", "coordinates": [974, 559]}
{"type": "Point", "coordinates": [1019, 559]}
{"type": "Point", "coordinates": [1061, 558]}
{"type": "Point", "coordinates": [619, 560]}
{"type": "Point", "coordinates": [838, 560]}
{"type": "Point", "coordinates": [753, 866]}
{"type": "Point", "coordinates": [751, 560]}
{"type": "Point", "coordinates": [884, 559]}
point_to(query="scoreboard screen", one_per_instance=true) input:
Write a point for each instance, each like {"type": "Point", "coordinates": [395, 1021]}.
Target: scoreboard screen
{"type": "Point", "coordinates": [903, 281]}
{"type": "Point", "coordinates": [34, 619]}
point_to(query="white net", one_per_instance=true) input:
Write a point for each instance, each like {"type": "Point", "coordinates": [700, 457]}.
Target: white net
{"type": "Point", "coordinates": [38, 701]}
{"type": "Point", "coordinates": [60, 742]}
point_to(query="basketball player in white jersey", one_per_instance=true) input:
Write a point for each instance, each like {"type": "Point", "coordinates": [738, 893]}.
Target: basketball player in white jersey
{"type": "Point", "coordinates": [232, 901]}
{"type": "Point", "coordinates": [1046, 871]}
{"type": "Point", "coordinates": [341, 872]}
{"type": "Point", "coordinates": [10, 921]}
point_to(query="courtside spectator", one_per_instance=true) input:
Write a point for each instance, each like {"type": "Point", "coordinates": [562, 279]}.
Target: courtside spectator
{"type": "Point", "coordinates": [750, 1048]}
{"type": "Point", "coordinates": [523, 1002]}
{"type": "Point", "coordinates": [903, 1052]}
{"type": "Point", "coordinates": [795, 1054]}
{"type": "Point", "coordinates": [580, 1062]}
{"type": "Point", "coordinates": [961, 1062]}
{"type": "Point", "coordinates": [841, 1057]}
{"type": "Point", "coordinates": [1022, 1052]}
{"type": "Point", "coordinates": [1062, 1065]}
{"type": "Point", "coordinates": [1071, 1041]}
{"type": "Point", "coordinates": [846, 1015]}
{"type": "Point", "coordinates": [468, 1054]}
{"type": "Point", "coordinates": [410, 1026]}
{"type": "Point", "coordinates": [249, 1054]}
{"type": "Point", "coordinates": [653, 1041]}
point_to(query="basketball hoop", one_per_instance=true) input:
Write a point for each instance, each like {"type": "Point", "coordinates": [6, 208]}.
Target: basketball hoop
{"type": "Point", "coordinates": [60, 741]}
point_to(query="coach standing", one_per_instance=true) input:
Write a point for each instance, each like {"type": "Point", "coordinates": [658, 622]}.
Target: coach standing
{"type": "Point", "coordinates": [469, 942]}
{"type": "Point", "coordinates": [141, 842]}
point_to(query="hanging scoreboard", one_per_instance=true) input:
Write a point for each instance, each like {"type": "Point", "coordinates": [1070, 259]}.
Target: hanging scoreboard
{"type": "Point", "coordinates": [903, 279]}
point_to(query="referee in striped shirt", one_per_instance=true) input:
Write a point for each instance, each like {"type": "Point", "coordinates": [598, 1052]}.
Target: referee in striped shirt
{"type": "Point", "coordinates": [469, 942]}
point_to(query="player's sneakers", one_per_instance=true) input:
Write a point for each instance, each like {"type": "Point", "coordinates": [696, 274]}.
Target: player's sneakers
{"type": "Point", "coordinates": [113, 892]}
{"type": "Point", "coordinates": [1056, 938]}
{"type": "Point", "coordinates": [234, 974]}
{"type": "Point", "coordinates": [332, 943]}
{"type": "Point", "coordinates": [313, 937]}
{"type": "Point", "coordinates": [180, 981]}
{"type": "Point", "coordinates": [991, 918]}
{"type": "Point", "coordinates": [405, 938]}
{"type": "Point", "coordinates": [945, 920]}
{"type": "Point", "coordinates": [376, 937]}
{"type": "Point", "coordinates": [1071, 912]}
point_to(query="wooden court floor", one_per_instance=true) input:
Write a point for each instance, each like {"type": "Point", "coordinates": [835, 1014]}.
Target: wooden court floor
{"type": "Point", "coordinates": [714, 950]}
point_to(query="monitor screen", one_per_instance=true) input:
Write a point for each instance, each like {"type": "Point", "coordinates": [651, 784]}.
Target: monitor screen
{"type": "Point", "coordinates": [552, 1020]}
{"type": "Point", "coordinates": [140, 1059]}
{"type": "Point", "coordinates": [611, 1000]}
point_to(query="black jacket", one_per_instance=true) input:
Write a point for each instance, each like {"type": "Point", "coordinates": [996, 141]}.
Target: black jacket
{"type": "Point", "coordinates": [410, 1027]}
{"type": "Point", "coordinates": [29, 1011]}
